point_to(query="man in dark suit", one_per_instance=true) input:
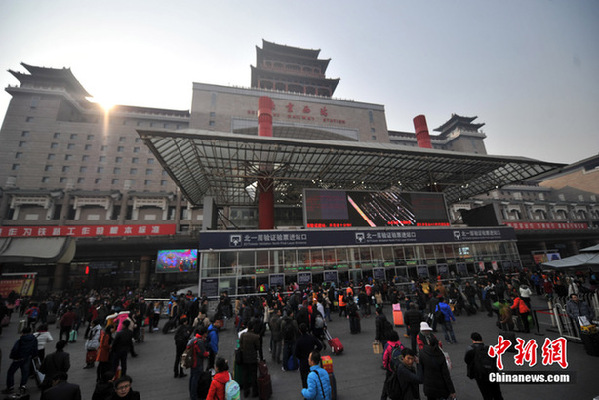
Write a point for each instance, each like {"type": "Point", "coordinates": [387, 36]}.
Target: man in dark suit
{"type": "Point", "coordinates": [61, 389]}
{"type": "Point", "coordinates": [59, 361]}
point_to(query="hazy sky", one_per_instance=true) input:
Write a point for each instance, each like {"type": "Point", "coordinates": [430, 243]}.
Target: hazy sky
{"type": "Point", "coordinates": [528, 69]}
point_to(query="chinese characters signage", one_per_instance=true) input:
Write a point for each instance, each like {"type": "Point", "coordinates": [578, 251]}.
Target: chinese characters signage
{"type": "Point", "coordinates": [547, 225]}
{"type": "Point", "coordinates": [552, 352]}
{"type": "Point", "coordinates": [304, 112]}
{"type": "Point", "coordinates": [87, 230]}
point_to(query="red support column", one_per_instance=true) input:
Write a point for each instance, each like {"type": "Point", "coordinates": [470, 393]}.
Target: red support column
{"type": "Point", "coordinates": [422, 135]}
{"type": "Point", "coordinates": [266, 196]}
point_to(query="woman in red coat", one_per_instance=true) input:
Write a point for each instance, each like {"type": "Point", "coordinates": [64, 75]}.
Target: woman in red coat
{"type": "Point", "coordinates": [520, 306]}
{"type": "Point", "coordinates": [217, 387]}
{"type": "Point", "coordinates": [103, 357]}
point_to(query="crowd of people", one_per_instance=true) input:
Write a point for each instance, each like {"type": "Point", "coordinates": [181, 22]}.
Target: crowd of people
{"type": "Point", "coordinates": [293, 321]}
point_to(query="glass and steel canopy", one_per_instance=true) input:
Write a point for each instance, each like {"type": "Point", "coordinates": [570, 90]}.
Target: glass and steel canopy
{"type": "Point", "coordinates": [227, 166]}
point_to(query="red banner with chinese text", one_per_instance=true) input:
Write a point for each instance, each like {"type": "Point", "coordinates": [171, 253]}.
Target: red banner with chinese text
{"type": "Point", "coordinates": [88, 230]}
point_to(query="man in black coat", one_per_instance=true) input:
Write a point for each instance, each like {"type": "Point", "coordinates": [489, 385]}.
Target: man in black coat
{"type": "Point", "coordinates": [121, 346]}
{"type": "Point", "coordinates": [304, 345]}
{"type": "Point", "coordinates": [24, 349]}
{"type": "Point", "coordinates": [479, 370]}
{"type": "Point", "coordinates": [61, 389]}
{"type": "Point", "coordinates": [182, 335]}
{"type": "Point", "coordinates": [59, 361]}
{"type": "Point", "coordinates": [412, 319]}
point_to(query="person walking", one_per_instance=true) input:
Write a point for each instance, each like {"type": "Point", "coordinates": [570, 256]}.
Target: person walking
{"type": "Point", "coordinates": [318, 384]}
{"type": "Point", "coordinates": [213, 334]}
{"type": "Point", "coordinates": [59, 361]}
{"type": "Point", "coordinates": [199, 353]}
{"type": "Point", "coordinates": [408, 377]}
{"type": "Point", "coordinates": [576, 308]}
{"type": "Point", "coordinates": [412, 319]}
{"type": "Point", "coordinates": [24, 349]}
{"type": "Point", "coordinates": [522, 309]}
{"type": "Point", "coordinates": [121, 347]}
{"type": "Point", "coordinates": [61, 389]}
{"type": "Point", "coordinates": [220, 379]}
{"type": "Point", "coordinates": [394, 348]}
{"type": "Point", "coordinates": [104, 353]}
{"type": "Point", "coordinates": [43, 336]}
{"type": "Point", "coordinates": [479, 365]}
{"type": "Point", "coordinates": [249, 342]}
{"type": "Point", "coordinates": [304, 345]}
{"type": "Point", "coordinates": [92, 344]}
{"type": "Point", "coordinates": [445, 316]}
{"type": "Point", "coordinates": [437, 383]}
{"type": "Point", "coordinates": [67, 322]}
{"type": "Point", "coordinates": [182, 335]}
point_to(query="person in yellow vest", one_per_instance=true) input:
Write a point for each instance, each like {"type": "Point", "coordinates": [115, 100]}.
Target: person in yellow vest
{"type": "Point", "coordinates": [426, 288]}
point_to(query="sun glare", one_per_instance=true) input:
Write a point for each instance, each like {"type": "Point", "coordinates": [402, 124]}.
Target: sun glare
{"type": "Point", "coordinates": [106, 106]}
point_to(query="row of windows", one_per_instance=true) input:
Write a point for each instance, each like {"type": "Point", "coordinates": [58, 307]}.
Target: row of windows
{"type": "Point", "coordinates": [85, 158]}
{"type": "Point", "coordinates": [147, 182]}
{"type": "Point", "coordinates": [83, 169]}
{"type": "Point", "coordinates": [125, 122]}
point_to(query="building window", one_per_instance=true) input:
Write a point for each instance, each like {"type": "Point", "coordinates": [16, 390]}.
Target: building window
{"type": "Point", "coordinates": [22, 143]}
{"type": "Point", "coordinates": [65, 168]}
{"type": "Point", "coordinates": [151, 161]}
{"type": "Point", "coordinates": [85, 158]}
{"type": "Point", "coordinates": [90, 137]}
{"type": "Point", "coordinates": [102, 158]}
{"type": "Point", "coordinates": [211, 123]}
{"type": "Point", "coordinates": [63, 180]}
{"type": "Point", "coordinates": [133, 171]}
{"type": "Point", "coordinates": [120, 149]}
{"type": "Point", "coordinates": [134, 160]}
{"type": "Point", "coordinates": [97, 180]}
{"type": "Point", "coordinates": [48, 168]}
{"type": "Point", "coordinates": [34, 101]}
{"type": "Point", "coordinates": [100, 170]}
{"type": "Point", "coordinates": [29, 119]}
{"type": "Point", "coordinates": [16, 167]}
{"type": "Point", "coordinates": [116, 171]}
{"type": "Point", "coordinates": [80, 180]}
{"type": "Point", "coordinates": [163, 182]}
{"type": "Point", "coordinates": [25, 134]}
{"type": "Point", "coordinates": [73, 136]}
{"type": "Point", "coordinates": [115, 181]}
{"type": "Point", "coordinates": [138, 123]}
{"type": "Point", "coordinates": [136, 149]}
{"type": "Point", "coordinates": [580, 197]}
{"type": "Point", "coordinates": [212, 114]}
{"type": "Point", "coordinates": [70, 146]}
{"type": "Point", "coordinates": [68, 157]}
{"type": "Point", "coordinates": [103, 148]}
{"type": "Point", "coordinates": [56, 135]}
{"type": "Point", "coordinates": [51, 156]}
{"type": "Point", "coordinates": [18, 155]}
{"type": "Point", "coordinates": [122, 139]}
{"type": "Point", "coordinates": [149, 172]}
{"type": "Point", "coordinates": [118, 159]}
{"type": "Point", "coordinates": [164, 173]}
{"type": "Point", "coordinates": [45, 179]}
{"type": "Point", "coordinates": [373, 137]}
{"type": "Point", "coordinates": [82, 169]}
{"type": "Point", "coordinates": [165, 126]}
{"type": "Point", "coordinates": [561, 197]}
{"type": "Point", "coordinates": [151, 124]}
{"type": "Point", "coordinates": [54, 145]}
{"type": "Point", "coordinates": [137, 140]}
{"type": "Point", "coordinates": [147, 182]}
{"type": "Point", "coordinates": [88, 147]}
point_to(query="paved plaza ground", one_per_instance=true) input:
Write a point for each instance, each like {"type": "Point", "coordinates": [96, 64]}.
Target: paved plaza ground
{"type": "Point", "coordinates": [357, 370]}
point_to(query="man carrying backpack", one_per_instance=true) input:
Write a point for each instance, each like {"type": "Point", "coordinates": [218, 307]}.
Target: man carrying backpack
{"type": "Point", "coordinates": [403, 384]}
{"type": "Point", "coordinates": [479, 366]}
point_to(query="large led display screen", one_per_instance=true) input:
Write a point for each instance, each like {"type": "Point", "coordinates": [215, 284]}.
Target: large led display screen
{"type": "Point", "coordinates": [339, 208]}
{"type": "Point", "coordinates": [177, 260]}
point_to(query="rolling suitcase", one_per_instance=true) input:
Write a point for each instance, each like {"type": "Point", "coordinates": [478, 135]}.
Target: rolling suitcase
{"type": "Point", "coordinates": [262, 368]}
{"type": "Point", "coordinates": [397, 315]}
{"type": "Point", "coordinates": [264, 387]}
{"type": "Point", "coordinates": [335, 343]}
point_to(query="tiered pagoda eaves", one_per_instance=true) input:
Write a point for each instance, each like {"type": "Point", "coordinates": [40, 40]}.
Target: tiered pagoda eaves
{"type": "Point", "coordinates": [291, 69]}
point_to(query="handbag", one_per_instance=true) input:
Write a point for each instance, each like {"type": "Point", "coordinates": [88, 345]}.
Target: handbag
{"type": "Point", "coordinates": [377, 347]}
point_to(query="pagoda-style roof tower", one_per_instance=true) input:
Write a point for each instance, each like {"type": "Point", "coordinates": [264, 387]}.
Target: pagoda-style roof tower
{"type": "Point", "coordinates": [458, 122]}
{"type": "Point", "coordinates": [291, 69]}
{"type": "Point", "coordinates": [51, 78]}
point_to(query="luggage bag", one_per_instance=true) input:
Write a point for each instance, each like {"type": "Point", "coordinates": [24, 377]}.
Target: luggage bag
{"type": "Point", "coordinates": [335, 343]}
